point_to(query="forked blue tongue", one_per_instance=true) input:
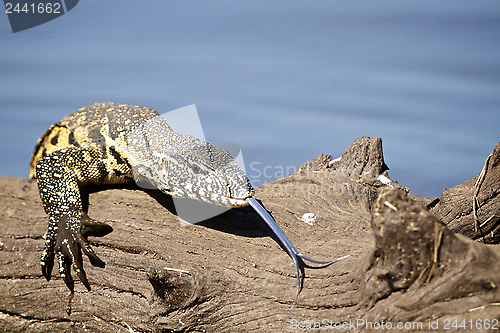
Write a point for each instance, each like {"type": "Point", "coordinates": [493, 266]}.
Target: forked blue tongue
{"type": "Point", "coordinates": [292, 251]}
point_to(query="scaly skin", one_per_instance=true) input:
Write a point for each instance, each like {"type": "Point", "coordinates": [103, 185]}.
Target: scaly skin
{"type": "Point", "coordinates": [111, 143]}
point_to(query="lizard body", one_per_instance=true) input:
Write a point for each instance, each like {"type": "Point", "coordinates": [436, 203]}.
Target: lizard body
{"type": "Point", "coordinates": [111, 143]}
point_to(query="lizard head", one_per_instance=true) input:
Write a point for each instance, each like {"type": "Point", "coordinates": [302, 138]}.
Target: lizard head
{"type": "Point", "coordinates": [185, 167]}
{"type": "Point", "coordinates": [204, 172]}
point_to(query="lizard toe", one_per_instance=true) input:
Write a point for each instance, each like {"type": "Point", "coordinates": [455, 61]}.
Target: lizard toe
{"type": "Point", "coordinates": [87, 249]}
{"type": "Point", "coordinates": [78, 263]}
{"type": "Point", "coordinates": [65, 270]}
{"type": "Point", "coordinates": [47, 260]}
{"type": "Point", "coordinates": [95, 228]}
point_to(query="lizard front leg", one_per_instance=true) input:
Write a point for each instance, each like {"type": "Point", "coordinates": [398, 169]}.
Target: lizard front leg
{"type": "Point", "coordinates": [59, 176]}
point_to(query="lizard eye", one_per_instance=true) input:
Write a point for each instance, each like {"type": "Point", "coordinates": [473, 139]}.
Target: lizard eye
{"type": "Point", "coordinates": [197, 170]}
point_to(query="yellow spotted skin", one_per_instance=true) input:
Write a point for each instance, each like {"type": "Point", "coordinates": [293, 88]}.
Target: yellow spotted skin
{"type": "Point", "coordinates": [109, 143]}
{"type": "Point", "coordinates": [101, 126]}
{"type": "Point", "coordinates": [85, 148]}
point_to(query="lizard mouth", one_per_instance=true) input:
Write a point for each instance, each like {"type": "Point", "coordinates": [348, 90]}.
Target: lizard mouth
{"type": "Point", "coordinates": [225, 200]}
{"type": "Point", "coordinates": [237, 202]}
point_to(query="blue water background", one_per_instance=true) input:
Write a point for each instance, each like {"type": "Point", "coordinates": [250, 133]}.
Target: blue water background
{"type": "Point", "coordinates": [285, 80]}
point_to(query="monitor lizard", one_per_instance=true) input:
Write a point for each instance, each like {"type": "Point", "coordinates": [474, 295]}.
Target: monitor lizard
{"type": "Point", "coordinates": [108, 143]}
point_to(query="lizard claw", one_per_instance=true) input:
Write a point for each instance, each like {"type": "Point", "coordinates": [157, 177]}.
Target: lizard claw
{"type": "Point", "coordinates": [47, 261]}
{"type": "Point", "coordinates": [72, 236]}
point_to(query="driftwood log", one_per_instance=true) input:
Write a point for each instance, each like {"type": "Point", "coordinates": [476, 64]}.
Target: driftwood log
{"type": "Point", "coordinates": [408, 264]}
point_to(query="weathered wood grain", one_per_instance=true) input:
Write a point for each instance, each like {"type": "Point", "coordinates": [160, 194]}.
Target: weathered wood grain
{"type": "Point", "coordinates": [240, 279]}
